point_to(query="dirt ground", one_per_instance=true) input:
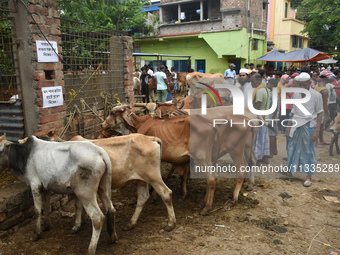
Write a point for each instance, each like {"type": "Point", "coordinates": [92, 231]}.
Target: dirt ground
{"type": "Point", "coordinates": [277, 217]}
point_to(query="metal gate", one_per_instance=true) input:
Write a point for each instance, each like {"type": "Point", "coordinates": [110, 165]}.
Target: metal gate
{"type": "Point", "coordinates": [94, 64]}
{"type": "Point", "coordinates": [11, 114]}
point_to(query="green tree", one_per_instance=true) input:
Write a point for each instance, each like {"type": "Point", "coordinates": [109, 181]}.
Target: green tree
{"type": "Point", "coordinates": [116, 14]}
{"type": "Point", "coordinates": [322, 23]}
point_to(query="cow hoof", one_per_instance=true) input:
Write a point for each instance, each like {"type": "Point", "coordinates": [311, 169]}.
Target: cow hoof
{"type": "Point", "coordinates": [35, 237]}
{"type": "Point", "coordinates": [74, 230]}
{"type": "Point", "coordinates": [169, 228]}
{"type": "Point", "coordinates": [249, 188]}
{"type": "Point", "coordinates": [205, 211]}
{"type": "Point", "coordinates": [128, 227]}
{"type": "Point", "coordinates": [114, 238]}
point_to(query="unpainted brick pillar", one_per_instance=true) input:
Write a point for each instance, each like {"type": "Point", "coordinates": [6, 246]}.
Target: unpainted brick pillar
{"type": "Point", "coordinates": [36, 75]}
{"type": "Point", "coordinates": [128, 69]}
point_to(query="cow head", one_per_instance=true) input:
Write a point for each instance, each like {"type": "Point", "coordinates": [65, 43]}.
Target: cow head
{"type": "Point", "coordinates": [49, 135]}
{"type": "Point", "coordinates": [4, 151]}
{"type": "Point", "coordinates": [118, 120]}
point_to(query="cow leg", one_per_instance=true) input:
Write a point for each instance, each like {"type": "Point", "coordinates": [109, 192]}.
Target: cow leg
{"type": "Point", "coordinates": [97, 217]}
{"type": "Point", "coordinates": [46, 201]}
{"type": "Point", "coordinates": [171, 172]}
{"type": "Point", "coordinates": [331, 145]}
{"type": "Point", "coordinates": [104, 192]}
{"type": "Point", "coordinates": [251, 182]}
{"type": "Point", "coordinates": [166, 194]}
{"type": "Point", "coordinates": [336, 143]}
{"type": "Point", "coordinates": [79, 211]}
{"type": "Point", "coordinates": [37, 199]}
{"type": "Point", "coordinates": [237, 159]}
{"type": "Point", "coordinates": [143, 196]}
{"type": "Point", "coordinates": [209, 197]}
{"type": "Point", "coordinates": [183, 172]}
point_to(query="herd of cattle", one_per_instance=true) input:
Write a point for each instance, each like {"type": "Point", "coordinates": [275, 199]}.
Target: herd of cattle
{"type": "Point", "coordinates": [90, 167]}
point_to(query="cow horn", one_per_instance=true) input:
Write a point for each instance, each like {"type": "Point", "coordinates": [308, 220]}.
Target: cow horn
{"type": "Point", "coordinates": [181, 106]}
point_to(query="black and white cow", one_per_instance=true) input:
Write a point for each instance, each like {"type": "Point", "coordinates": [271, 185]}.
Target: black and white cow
{"type": "Point", "coordinates": [79, 168]}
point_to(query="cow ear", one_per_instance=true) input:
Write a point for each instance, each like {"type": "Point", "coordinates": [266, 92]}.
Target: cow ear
{"type": "Point", "coordinates": [158, 112]}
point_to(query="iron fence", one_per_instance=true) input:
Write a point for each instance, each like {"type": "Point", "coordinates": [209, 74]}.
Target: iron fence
{"type": "Point", "coordinates": [9, 77]}
{"type": "Point", "coordinates": [93, 63]}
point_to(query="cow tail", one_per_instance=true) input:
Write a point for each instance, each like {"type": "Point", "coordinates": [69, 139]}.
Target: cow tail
{"type": "Point", "coordinates": [109, 213]}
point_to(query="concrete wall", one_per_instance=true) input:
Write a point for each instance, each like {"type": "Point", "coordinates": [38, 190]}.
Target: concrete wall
{"type": "Point", "coordinates": [281, 29]}
{"type": "Point", "coordinates": [234, 14]}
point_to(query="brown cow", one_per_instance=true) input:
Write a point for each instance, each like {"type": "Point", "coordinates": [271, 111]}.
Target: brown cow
{"type": "Point", "coordinates": [182, 83]}
{"type": "Point", "coordinates": [175, 135]}
{"type": "Point", "coordinates": [173, 132]}
{"type": "Point", "coordinates": [163, 110]}
{"type": "Point", "coordinates": [145, 151]}
{"type": "Point", "coordinates": [136, 157]}
{"type": "Point", "coordinates": [153, 86]}
{"type": "Point", "coordinates": [335, 136]}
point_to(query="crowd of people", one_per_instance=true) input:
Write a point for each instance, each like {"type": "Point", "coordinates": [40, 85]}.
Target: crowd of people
{"type": "Point", "coordinates": [163, 75]}
{"type": "Point", "coordinates": [301, 139]}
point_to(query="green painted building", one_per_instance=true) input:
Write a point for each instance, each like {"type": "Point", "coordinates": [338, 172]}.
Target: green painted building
{"type": "Point", "coordinates": [219, 34]}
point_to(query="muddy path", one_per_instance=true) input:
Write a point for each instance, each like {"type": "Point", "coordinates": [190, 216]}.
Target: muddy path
{"type": "Point", "coordinates": [278, 217]}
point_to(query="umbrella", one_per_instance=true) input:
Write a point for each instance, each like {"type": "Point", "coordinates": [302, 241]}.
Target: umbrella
{"type": "Point", "coordinates": [328, 61]}
{"type": "Point", "coordinates": [303, 55]}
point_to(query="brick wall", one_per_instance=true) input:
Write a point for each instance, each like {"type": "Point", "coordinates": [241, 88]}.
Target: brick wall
{"type": "Point", "coordinates": [46, 15]}
{"type": "Point", "coordinates": [16, 206]}
{"type": "Point", "coordinates": [128, 69]}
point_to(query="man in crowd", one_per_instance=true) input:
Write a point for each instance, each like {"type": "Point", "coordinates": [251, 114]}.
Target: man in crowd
{"type": "Point", "coordinates": [258, 67]}
{"type": "Point", "coordinates": [331, 100]}
{"type": "Point", "coordinates": [144, 78]}
{"type": "Point", "coordinates": [336, 83]}
{"type": "Point", "coordinates": [162, 85]}
{"type": "Point", "coordinates": [174, 79]}
{"type": "Point", "coordinates": [301, 146]}
{"type": "Point", "coordinates": [251, 68]}
{"type": "Point", "coordinates": [261, 101]}
{"type": "Point", "coordinates": [273, 133]}
{"type": "Point", "coordinates": [230, 74]}
{"type": "Point", "coordinates": [244, 84]}
{"type": "Point", "coordinates": [321, 88]}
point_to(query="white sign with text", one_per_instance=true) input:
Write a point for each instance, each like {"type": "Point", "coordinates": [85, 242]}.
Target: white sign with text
{"type": "Point", "coordinates": [45, 52]}
{"type": "Point", "coordinates": [52, 96]}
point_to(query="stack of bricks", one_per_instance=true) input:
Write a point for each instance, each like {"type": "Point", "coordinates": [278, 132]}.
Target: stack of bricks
{"type": "Point", "coordinates": [16, 206]}
{"type": "Point", "coordinates": [46, 15]}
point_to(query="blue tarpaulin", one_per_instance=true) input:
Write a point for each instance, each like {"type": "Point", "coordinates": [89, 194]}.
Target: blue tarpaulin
{"type": "Point", "coordinates": [150, 8]}
{"type": "Point", "coordinates": [303, 55]}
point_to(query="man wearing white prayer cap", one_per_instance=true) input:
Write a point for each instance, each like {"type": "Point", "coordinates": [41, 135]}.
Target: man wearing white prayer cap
{"type": "Point", "coordinates": [244, 84]}
{"type": "Point", "coordinates": [302, 137]}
